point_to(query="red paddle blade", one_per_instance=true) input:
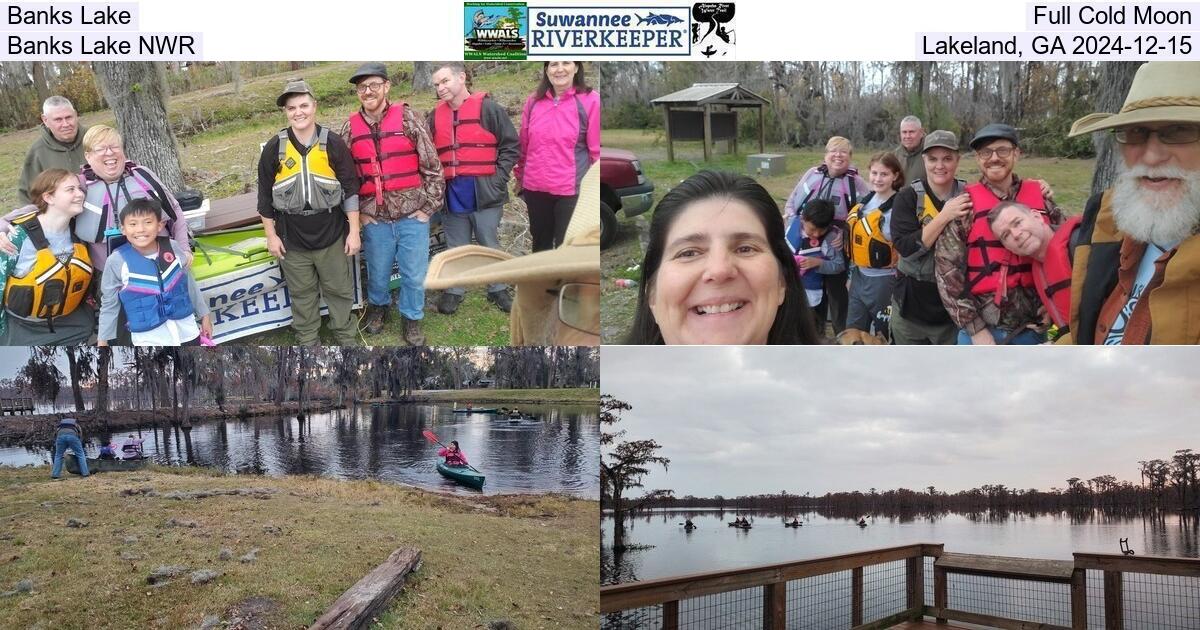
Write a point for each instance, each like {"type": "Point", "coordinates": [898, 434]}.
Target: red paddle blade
{"type": "Point", "coordinates": [429, 435]}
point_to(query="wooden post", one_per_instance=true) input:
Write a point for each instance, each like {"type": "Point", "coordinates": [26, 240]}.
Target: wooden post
{"type": "Point", "coordinates": [667, 130]}
{"type": "Point", "coordinates": [707, 133]}
{"type": "Point", "coordinates": [914, 583]}
{"type": "Point", "coordinates": [371, 595]}
{"type": "Point", "coordinates": [733, 141]}
{"type": "Point", "coordinates": [1079, 599]}
{"type": "Point", "coordinates": [762, 132]}
{"type": "Point", "coordinates": [1114, 606]}
{"type": "Point", "coordinates": [775, 606]}
{"type": "Point", "coordinates": [940, 591]}
{"type": "Point", "coordinates": [671, 615]}
{"type": "Point", "coordinates": [856, 596]}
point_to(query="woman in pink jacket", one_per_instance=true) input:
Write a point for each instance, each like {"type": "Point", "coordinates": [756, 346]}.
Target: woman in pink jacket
{"type": "Point", "coordinates": [454, 456]}
{"type": "Point", "coordinates": [560, 139]}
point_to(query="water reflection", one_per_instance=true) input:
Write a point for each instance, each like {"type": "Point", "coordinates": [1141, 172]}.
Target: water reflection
{"type": "Point", "coordinates": [559, 451]}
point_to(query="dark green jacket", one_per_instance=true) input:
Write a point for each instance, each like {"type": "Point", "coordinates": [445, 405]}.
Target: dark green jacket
{"type": "Point", "coordinates": [47, 152]}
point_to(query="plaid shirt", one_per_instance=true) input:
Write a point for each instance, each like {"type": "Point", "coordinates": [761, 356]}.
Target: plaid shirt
{"type": "Point", "coordinates": [420, 202]}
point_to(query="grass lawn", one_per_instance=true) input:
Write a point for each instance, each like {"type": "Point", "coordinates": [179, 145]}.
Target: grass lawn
{"type": "Point", "coordinates": [1070, 179]}
{"type": "Point", "coordinates": [532, 560]}
{"type": "Point", "coordinates": [219, 133]}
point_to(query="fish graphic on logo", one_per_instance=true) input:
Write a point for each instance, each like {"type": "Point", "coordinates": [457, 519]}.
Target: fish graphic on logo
{"type": "Point", "coordinates": [657, 19]}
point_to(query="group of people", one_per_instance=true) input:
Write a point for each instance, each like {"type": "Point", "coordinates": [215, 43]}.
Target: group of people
{"type": "Point", "coordinates": [924, 257]}
{"type": "Point", "coordinates": [102, 233]}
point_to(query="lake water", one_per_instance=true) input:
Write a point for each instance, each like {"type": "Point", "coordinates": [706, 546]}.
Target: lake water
{"type": "Point", "coordinates": [714, 546]}
{"type": "Point", "coordinates": [558, 452]}
{"type": "Point", "coordinates": [660, 547]}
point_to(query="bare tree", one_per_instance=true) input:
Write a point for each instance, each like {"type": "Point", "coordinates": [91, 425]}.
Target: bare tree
{"type": "Point", "coordinates": [1115, 79]}
{"type": "Point", "coordinates": [137, 93]}
{"type": "Point", "coordinates": [422, 76]}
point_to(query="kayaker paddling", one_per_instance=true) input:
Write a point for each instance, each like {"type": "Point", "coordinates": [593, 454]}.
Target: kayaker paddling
{"type": "Point", "coordinates": [453, 454]}
{"type": "Point", "coordinates": [455, 465]}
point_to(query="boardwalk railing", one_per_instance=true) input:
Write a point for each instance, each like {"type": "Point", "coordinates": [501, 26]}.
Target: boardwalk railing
{"type": "Point", "coordinates": [885, 587]}
{"type": "Point", "coordinates": [15, 406]}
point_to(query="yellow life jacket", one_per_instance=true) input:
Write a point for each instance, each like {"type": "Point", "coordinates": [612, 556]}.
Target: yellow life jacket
{"type": "Point", "coordinates": [52, 287]}
{"type": "Point", "coordinates": [867, 246]}
{"type": "Point", "coordinates": [305, 184]}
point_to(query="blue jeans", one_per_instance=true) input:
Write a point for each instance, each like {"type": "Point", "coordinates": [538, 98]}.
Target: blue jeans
{"type": "Point", "coordinates": [404, 243]}
{"type": "Point", "coordinates": [61, 444]}
{"type": "Point", "coordinates": [1026, 337]}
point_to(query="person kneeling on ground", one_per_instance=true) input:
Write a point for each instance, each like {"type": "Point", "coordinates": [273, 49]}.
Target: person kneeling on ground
{"type": "Point", "coordinates": [558, 291]}
{"type": "Point", "coordinates": [1025, 234]}
{"type": "Point", "coordinates": [145, 280]}
{"type": "Point", "coordinates": [454, 455]}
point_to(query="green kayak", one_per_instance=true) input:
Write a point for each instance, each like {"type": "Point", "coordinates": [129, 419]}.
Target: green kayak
{"type": "Point", "coordinates": [222, 253]}
{"type": "Point", "coordinates": [462, 474]}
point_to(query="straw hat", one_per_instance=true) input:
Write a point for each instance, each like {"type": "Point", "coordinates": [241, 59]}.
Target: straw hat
{"type": "Point", "coordinates": [577, 257]}
{"type": "Point", "coordinates": [1162, 91]}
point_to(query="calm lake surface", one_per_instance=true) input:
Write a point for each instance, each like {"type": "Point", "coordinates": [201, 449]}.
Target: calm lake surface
{"type": "Point", "coordinates": [558, 452]}
{"type": "Point", "coordinates": [714, 545]}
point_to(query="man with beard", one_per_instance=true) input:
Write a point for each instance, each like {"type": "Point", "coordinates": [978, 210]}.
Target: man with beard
{"type": "Point", "coordinates": [987, 290]}
{"type": "Point", "coordinates": [1136, 275]}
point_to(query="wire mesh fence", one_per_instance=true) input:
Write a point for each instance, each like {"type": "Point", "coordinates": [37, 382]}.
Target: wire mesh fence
{"type": "Point", "coordinates": [1161, 601]}
{"type": "Point", "coordinates": [820, 602]}
{"type": "Point", "coordinates": [645, 618]}
{"type": "Point", "coordinates": [885, 590]}
{"type": "Point", "coordinates": [1021, 600]}
{"type": "Point", "coordinates": [732, 610]}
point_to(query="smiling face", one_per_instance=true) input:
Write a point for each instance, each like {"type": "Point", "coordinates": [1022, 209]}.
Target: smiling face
{"type": "Point", "coordinates": [107, 158]}
{"type": "Point", "coordinates": [63, 123]}
{"type": "Point", "coordinates": [837, 158]}
{"type": "Point", "coordinates": [994, 166]}
{"type": "Point", "coordinates": [67, 197]}
{"type": "Point", "coordinates": [941, 165]}
{"type": "Point", "coordinates": [1156, 196]}
{"type": "Point", "coordinates": [141, 229]}
{"type": "Point", "coordinates": [1022, 233]}
{"type": "Point", "coordinates": [718, 282]}
{"type": "Point", "coordinates": [881, 178]}
{"type": "Point", "coordinates": [561, 74]}
{"type": "Point", "coordinates": [373, 93]}
{"type": "Point", "coordinates": [301, 111]}
{"type": "Point", "coordinates": [451, 86]}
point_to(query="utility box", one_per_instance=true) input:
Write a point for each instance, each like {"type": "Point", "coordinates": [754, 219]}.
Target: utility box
{"type": "Point", "coordinates": [766, 164]}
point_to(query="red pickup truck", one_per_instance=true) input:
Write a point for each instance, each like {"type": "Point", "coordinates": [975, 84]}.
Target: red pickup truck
{"type": "Point", "coordinates": [623, 187]}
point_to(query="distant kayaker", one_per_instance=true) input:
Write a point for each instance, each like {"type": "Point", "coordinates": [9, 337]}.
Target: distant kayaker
{"type": "Point", "coordinates": [862, 522]}
{"type": "Point", "coordinates": [454, 455]}
{"type": "Point", "coordinates": [795, 521]}
{"type": "Point", "coordinates": [688, 524]}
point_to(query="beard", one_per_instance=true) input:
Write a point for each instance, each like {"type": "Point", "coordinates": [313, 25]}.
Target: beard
{"type": "Point", "coordinates": [1164, 218]}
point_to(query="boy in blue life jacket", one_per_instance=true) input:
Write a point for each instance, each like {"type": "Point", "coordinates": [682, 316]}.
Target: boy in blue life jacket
{"type": "Point", "coordinates": [818, 253]}
{"type": "Point", "coordinates": [144, 278]}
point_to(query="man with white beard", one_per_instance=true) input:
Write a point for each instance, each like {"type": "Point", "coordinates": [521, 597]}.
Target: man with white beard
{"type": "Point", "coordinates": [1136, 276]}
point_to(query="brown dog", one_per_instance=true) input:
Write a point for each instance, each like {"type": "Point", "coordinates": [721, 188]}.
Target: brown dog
{"type": "Point", "coordinates": [855, 337]}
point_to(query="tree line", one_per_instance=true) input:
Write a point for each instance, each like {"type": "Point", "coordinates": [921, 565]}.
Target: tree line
{"type": "Point", "coordinates": [1170, 484]}
{"type": "Point", "coordinates": [864, 101]}
{"type": "Point", "coordinates": [175, 378]}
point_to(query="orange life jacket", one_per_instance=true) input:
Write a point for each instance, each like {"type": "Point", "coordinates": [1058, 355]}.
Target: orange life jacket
{"type": "Point", "coordinates": [990, 267]}
{"type": "Point", "coordinates": [464, 146]}
{"type": "Point", "coordinates": [386, 158]}
{"type": "Point", "coordinates": [1052, 277]}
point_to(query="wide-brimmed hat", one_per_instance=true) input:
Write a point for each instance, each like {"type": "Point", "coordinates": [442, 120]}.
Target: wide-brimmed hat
{"type": "Point", "coordinates": [1162, 91]}
{"type": "Point", "coordinates": [577, 257]}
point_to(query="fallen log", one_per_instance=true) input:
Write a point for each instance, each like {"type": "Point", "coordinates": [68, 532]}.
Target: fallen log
{"type": "Point", "coordinates": [370, 596]}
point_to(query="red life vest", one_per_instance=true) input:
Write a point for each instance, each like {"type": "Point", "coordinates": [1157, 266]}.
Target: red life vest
{"type": "Point", "coordinates": [990, 267]}
{"type": "Point", "coordinates": [464, 146]}
{"type": "Point", "coordinates": [386, 158]}
{"type": "Point", "coordinates": [1052, 277]}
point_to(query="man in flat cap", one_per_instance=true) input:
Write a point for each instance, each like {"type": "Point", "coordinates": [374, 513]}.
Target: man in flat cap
{"type": "Point", "coordinates": [1136, 273]}
{"type": "Point", "coordinates": [308, 199]}
{"type": "Point", "coordinates": [987, 290]}
{"type": "Point", "coordinates": [402, 187]}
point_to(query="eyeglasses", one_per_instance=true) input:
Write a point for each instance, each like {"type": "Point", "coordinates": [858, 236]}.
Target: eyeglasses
{"type": "Point", "coordinates": [363, 88]}
{"type": "Point", "coordinates": [579, 306]}
{"type": "Point", "coordinates": [113, 148]}
{"type": "Point", "coordinates": [1002, 152]}
{"type": "Point", "coordinates": [1170, 134]}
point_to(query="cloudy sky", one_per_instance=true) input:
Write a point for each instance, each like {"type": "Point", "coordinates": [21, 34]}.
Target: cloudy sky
{"type": "Point", "coordinates": [748, 420]}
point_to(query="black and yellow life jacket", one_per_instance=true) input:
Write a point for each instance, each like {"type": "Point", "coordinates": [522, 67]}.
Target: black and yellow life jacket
{"type": "Point", "coordinates": [868, 247]}
{"type": "Point", "coordinates": [52, 287]}
{"type": "Point", "coordinates": [305, 183]}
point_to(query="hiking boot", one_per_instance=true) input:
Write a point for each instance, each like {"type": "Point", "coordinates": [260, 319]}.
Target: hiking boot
{"type": "Point", "coordinates": [376, 317]}
{"type": "Point", "coordinates": [501, 300]}
{"type": "Point", "coordinates": [448, 303]}
{"type": "Point", "coordinates": [412, 332]}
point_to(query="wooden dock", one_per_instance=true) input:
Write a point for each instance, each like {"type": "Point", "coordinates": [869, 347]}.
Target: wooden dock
{"type": "Point", "coordinates": [15, 406]}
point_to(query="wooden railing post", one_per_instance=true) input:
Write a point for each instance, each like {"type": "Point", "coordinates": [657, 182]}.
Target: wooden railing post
{"type": "Point", "coordinates": [856, 596]}
{"type": "Point", "coordinates": [775, 606]}
{"type": "Point", "coordinates": [1079, 599]}
{"type": "Point", "coordinates": [941, 593]}
{"type": "Point", "coordinates": [1114, 605]}
{"type": "Point", "coordinates": [914, 583]}
{"type": "Point", "coordinates": [671, 615]}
